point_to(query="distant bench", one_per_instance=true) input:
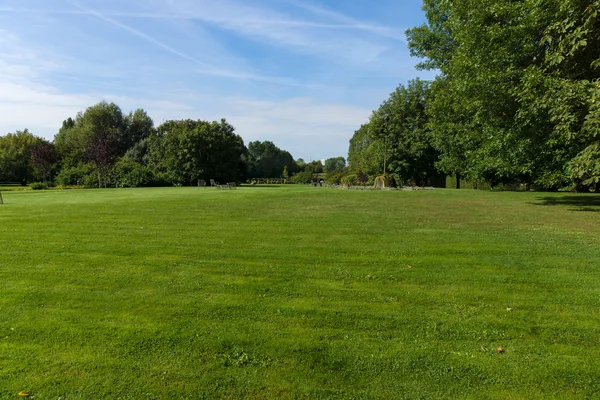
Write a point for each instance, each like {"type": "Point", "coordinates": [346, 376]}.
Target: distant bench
{"type": "Point", "coordinates": [228, 185]}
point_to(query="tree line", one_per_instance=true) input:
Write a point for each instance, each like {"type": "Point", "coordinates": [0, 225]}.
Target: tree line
{"type": "Point", "coordinates": [104, 147]}
{"type": "Point", "coordinates": [516, 100]}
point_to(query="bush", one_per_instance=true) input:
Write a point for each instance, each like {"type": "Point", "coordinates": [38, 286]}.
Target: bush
{"type": "Point", "coordinates": [302, 177]}
{"type": "Point", "coordinates": [81, 174]}
{"type": "Point", "coordinates": [336, 177]}
{"type": "Point", "coordinates": [128, 173]}
{"type": "Point", "coordinates": [349, 180]}
{"type": "Point", "coordinates": [38, 186]}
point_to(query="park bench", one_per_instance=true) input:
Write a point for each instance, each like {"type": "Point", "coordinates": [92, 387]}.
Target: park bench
{"type": "Point", "coordinates": [219, 186]}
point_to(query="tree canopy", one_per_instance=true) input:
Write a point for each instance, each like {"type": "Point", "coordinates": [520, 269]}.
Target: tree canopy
{"type": "Point", "coordinates": [514, 101]}
{"type": "Point", "coordinates": [15, 156]}
{"type": "Point", "coordinates": [266, 160]}
{"type": "Point", "coordinates": [396, 141]}
{"type": "Point", "coordinates": [102, 147]}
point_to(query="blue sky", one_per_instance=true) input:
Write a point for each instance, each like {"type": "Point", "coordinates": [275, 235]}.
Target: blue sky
{"type": "Point", "coordinates": [304, 74]}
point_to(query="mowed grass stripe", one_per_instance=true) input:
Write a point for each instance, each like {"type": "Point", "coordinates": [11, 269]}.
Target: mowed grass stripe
{"type": "Point", "coordinates": [298, 292]}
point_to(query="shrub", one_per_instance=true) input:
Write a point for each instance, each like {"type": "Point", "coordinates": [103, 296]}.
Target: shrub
{"type": "Point", "coordinates": [336, 177]}
{"type": "Point", "coordinates": [38, 186]}
{"type": "Point", "coordinates": [302, 177]}
{"type": "Point", "coordinates": [81, 174]}
{"type": "Point", "coordinates": [128, 173]}
{"type": "Point", "coordinates": [349, 180]}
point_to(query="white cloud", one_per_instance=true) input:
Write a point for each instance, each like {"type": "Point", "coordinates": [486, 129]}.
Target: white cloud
{"type": "Point", "coordinates": [350, 22]}
{"type": "Point", "coordinates": [296, 124]}
{"type": "Point", "coordinates": [342, 43]}
{"type": "Point", "coordinates": [203, 67]}
{"type": "Point", "coordinates": [26, 102]}
{"type": "Point", "coordinates": [41, 86]}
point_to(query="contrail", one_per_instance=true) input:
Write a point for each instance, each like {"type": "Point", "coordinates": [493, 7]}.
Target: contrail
{"type": "Point", "coordinates": [352, 23]}
{"type": "Point", "coordinates": [206, 69]}
{"type": "Point", "coordinates": [139, 34]}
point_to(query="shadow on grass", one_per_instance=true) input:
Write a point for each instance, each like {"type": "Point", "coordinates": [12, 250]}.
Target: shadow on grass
{"type": "Point", "coordinates": [589, 202]}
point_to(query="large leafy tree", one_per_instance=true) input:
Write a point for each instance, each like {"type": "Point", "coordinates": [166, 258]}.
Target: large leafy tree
{"type": "Point", "coordinates": [185, 151]}
{"type": "Point", "coordinates": [138, 126]}
{"type": "Point", "coordinates": [99, 136]}
{"type": "Point", "coordinates": [266, 160]}
{"type": "Point", "coordinates": [104, 130]}
{"type": "Point", "coordinates": [402, 123]}
{"type": "Point", "coordinates": [480, 48]}
{"type": "Point", "coordinates": [43, 159]}
{"type": "Point", "coordinates": [335, 164]}
{"type": "Point", "coordinates": [365, 154]}
{"type": "Point", "coordinates": [102, 151]}
{"type": "Point", "coordinates": [573, 70]}
{"type": "Point", "coordinates": [512, 102]}
{"type": "Point", "coordinates": [15, 156]}
{"type": "Point", "coordinates": [397, 140]}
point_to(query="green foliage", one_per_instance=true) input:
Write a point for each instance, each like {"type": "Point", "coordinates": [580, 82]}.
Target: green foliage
{"type": "Point", "coordinates": [101, 135]}
{"type": "Point", "coordinates": [397, 138]}
{"type": "Point", "coordinates": [265, 160]}
{"type": "Point", "coordinates": [129, 174]}
{"type": "Point", "coordinates": [305, 176]}
{"type": "Point", "coordinates": [316, 166]}
{"type": "Point", "coordinates": [139, 126]}
{"type": "Point", "coordinates": [349, 180]}
{"type": "Point", "coordinates": [185, 151]}
{"type": "Point", "coordinates": [434, 43]}
{"type": "Point", "coordinates": [335, 164]}
{"type": "Point", "coordinates": [102, 147]}
{"type": "Point", "coordinates": [512, 102]}
{"type": "Point", "coordinates": [15, 156]}
{"type": "Point", "coordinates": [365, 153]}
{"type": "Point", "coordinates": [38, 186]}
{"type": "Point", "coordinates": [584, 170]}
{"type": "Point", "coordinates": [43, 159]}
{"type": "Point", "coordinates": [84, 174]}
{"type": "Point", "coordinates": [336, 177]}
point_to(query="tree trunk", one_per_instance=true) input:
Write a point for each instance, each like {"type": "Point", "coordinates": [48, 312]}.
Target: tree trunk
{"type": "Point", "coordinates": [581, 188]}
{"type": "Point", "coordinates": [458, 180]}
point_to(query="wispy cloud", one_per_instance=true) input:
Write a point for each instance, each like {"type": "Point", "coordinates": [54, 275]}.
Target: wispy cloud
{"type": "Point", "coordinates": [346, 23]}
{"type": "Point", "coordinates": [350, 25]}
{"type": "Point", "coordinates": [297, 123]}
{"type": "Point", "coordinates": [294, 123]}
{"type": "Point", "coordinates": [331, 34]}
{"type": "Point", "coordinates": [291, 71]}
{"type": "Point", "coordinates": [138, 34]}
{"type": "Point", "coordinates": [203, 68]}
{"type": "Point", "coordinates": [341, 43]}
{"type": "Point", "coordinates": [349, 21]}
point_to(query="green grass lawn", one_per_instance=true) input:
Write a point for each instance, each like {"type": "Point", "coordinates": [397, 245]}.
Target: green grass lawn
{"type": "Point", "coordinates": [299, 292]}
